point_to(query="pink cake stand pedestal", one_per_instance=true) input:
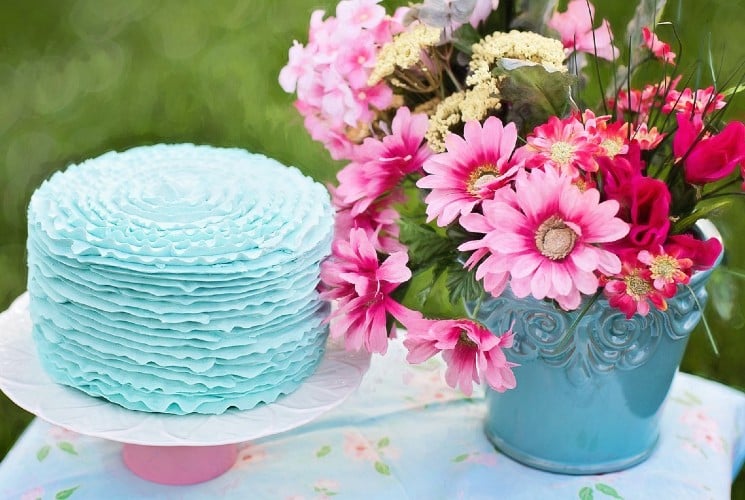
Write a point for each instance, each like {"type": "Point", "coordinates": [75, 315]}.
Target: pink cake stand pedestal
{"type": "Point", "coordinates": [179, 465]}
{"type": "Point", "coordinates": [167, 449]}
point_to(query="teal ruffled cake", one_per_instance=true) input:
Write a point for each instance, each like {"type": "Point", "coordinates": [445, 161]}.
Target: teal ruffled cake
{"type": "Point", "coordinates": [179, 278]}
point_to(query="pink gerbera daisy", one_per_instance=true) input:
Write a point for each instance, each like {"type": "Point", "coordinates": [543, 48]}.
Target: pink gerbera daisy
{"type": "Point", "coordinates": [379, 221]}
{"type": "Point", "coordinates": [546, 237]}
{"type": "Point", "coordinates": [361, 285]}
{"type": "Point", "coordinates": [470, 350]}
{"type": "Point", "coordinates": [380, 165]}
{"type": "Point", "coordinates": [473, 167]}
{"type": "Point", "coordinates": [562, 144]}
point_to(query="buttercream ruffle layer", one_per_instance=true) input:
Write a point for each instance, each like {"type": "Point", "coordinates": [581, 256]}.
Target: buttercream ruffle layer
{"type": "Point", "coordinates": [179, 279]}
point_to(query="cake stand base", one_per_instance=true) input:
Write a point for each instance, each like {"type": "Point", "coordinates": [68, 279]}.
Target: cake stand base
{"type": "Point", "coordinates": [179, 465]}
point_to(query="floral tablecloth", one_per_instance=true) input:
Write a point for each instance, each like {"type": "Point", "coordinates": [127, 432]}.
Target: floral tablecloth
{"type": "Point", "coordinates": [404, 434]}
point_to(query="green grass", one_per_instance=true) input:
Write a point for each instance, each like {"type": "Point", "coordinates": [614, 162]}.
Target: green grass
{"type": "Point", "coordinates": [81, 78]}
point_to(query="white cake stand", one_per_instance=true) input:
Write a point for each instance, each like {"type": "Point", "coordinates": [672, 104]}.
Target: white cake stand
{"type": "Point", "coordinates": [168, 449]}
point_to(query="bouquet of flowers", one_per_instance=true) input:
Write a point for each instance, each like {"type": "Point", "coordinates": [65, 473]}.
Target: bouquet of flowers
{"type": "Point", "coordinates": [475, 163]}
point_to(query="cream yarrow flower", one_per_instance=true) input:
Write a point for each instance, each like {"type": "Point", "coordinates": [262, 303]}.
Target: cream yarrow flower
{"type": "Point", "coordinates": [447, 114]}
{"type": "Point", "coordinates": [471, 104]}
{"type": "Point", "coordinates": [404, 51]}
{"type": "Point", "coordinates": [520, 45]}
{"type": "Point", "coordinates": [480, 101]}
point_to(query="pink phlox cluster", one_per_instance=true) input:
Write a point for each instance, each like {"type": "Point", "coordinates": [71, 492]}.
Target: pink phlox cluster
{"type": "Point", "coordinates": [330, 73]}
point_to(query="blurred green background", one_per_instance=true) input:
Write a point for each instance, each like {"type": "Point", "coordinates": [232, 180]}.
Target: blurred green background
{"type": "Point", "coordinates": [79, 78]}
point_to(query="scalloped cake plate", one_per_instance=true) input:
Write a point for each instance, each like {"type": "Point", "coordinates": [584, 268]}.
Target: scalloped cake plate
{"type": "Point", "coordinates": [24, 381]}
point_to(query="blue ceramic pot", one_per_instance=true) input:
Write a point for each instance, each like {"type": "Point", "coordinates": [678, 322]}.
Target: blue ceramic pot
{"type": "Point", "coordinates": [589, 402]}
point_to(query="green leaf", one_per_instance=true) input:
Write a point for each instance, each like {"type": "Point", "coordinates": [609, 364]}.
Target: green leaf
{"type": "Point", "coordinates": [464, 38]}
{"type": "Point", "coordinates": [462, 285]}
{"type": "Point", "coordinates": [383, 442]}
{"type": "Point", "coordinates": [707, 211]}
{"type": "Point", "coordinates": [608, 490]}
{"type": "Point", "coordinates": [460, 458]}
{"type": "Point", "coordinates": [425, 245]}
{"type": "Point", "coordinates": [535, 94]}
{"type": "Point", "coordinates": [43, 452]}
{"type": "Point", "coordinates": [325, 450]}
{"type": "Point", "coordinates": [586, 493]}
{"type": "Point", "coordinates": [63, 494]}
{"type": "Point", "coordinates": [382, 468]}
{"type": "Point", "coordinates": [67, 447]}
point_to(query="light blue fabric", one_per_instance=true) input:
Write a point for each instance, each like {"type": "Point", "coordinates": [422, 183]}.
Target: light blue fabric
{"type": "Point", "coordinates": [404, 434]}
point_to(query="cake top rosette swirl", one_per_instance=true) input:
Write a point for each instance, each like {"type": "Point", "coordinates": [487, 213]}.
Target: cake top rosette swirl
{"type": "Point", "coordinates": [183, 205]}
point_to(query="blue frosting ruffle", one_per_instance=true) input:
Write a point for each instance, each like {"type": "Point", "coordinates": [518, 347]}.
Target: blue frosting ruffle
{"type": "Point", "coordinates": [179, 278]}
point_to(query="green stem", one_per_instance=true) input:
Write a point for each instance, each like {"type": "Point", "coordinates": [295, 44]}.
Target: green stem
{"type": "Point", "coordinates": [452, 77]}
{"type": "Point", "coordinates": [703, 320]}
{"type": "Point", "coordinates": [709, 196]}
{"type": "Point", "coordinates": [583, 312]}
{"type": "Point", "coordinates": [475, 313]}
{"type": "Point", "coordinates": [727, 270]}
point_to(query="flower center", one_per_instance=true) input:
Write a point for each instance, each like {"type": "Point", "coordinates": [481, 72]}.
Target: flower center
{"type": "Point", "coordinates": [664, 266]}
{"type": "Point", "coordinates": [612, 147]}
{"type": "Point", "coordinates": [555, 239]}
{"type": "Point", "coordinates": [466, 341]}
{"type": "Point", "coordinates": [637, 287]}
{"type": "Point", "coordinates": [480, 177]}
{"type": "Point", "coordinates": [562, 152]}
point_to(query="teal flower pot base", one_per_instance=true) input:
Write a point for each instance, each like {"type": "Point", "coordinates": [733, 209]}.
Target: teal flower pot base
{"type": "Point", "coordinates": [564, 467]}
{"type": "Point", "coordinates": [588, 402]}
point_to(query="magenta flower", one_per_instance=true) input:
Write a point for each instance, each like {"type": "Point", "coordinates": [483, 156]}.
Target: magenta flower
{"type": "Point", "coordinates": [694, 102]}
{"type": "Point", "coordinates": [380, 165]}
{"type": "Point", "coordinates": [471, 352]}
{"type": "Point", "coordinates": [379, 221]}
{"type": "Point", "coordinates": [473, 167]}
{"type": "Point", "coordinates": [610, 137]}
{"type": "Point", "coordinates": [647, 138]}
{"type": "Point", "coordinates": [575, 29]}
{"type": "Point", "coordinates": [547, 237]}
{"type": "Point", "coordinates": [660, 49]}
{"type": "Point", "coordinates": [562, 144]}
{"type": "Point", "coordinates": [667, 269]}
{"type": "Point", "coordinates": [708, 158]}
{"type": "Point", "coordinates": [633, 290]}
{"type": "Point", "coordinates": [645, 205]}
{"type": "Point", "coordinates": [703, 253]}
{"type": "Point", "coordinates": [361, 285]}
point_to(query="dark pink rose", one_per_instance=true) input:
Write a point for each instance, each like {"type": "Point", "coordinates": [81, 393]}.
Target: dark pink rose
{"type": "Point", "coordinates": [621, 169]}
{"type": "Point", "coordinates": [645, 205]}
{"type": "Point", "coordinates": [712, 158]}
{"type": "Point", "coordinates": [703, 253]}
